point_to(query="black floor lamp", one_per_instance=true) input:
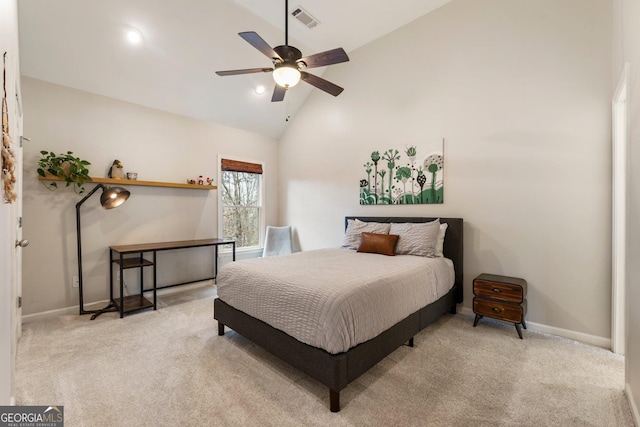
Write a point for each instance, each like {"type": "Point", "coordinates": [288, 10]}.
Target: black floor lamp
{"type": "Point", "coordinates": [111, 197]}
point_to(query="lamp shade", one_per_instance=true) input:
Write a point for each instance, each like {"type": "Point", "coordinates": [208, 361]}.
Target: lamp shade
{"type": "Point", "coordinates": [112, 197]}
{"type": "Point", "coordinates": [286, 76]}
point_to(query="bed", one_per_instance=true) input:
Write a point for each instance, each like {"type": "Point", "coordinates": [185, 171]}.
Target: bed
{"type": "Point", "coordinates": [337, 364]}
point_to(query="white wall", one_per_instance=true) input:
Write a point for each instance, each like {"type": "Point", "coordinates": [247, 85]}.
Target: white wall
{"type": "Point", "coordinates": [158, 146]}
{"type": "Point", "coordinates": [627, 49]}
{"type": "Point", "coordinates": [521, 90]}
{"type": "Point", "coordinates": [9, 44]}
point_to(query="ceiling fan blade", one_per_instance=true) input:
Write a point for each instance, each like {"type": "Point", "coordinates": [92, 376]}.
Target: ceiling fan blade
{"type": "Point", "coordinates": [334, 56]}
{"type": "Point", "coordinates": [278, 93]}
{"type": "Point", "coordinates": [321, 83]}
{"type": "Point", "coordinates": [256, 41]}
{"type": "Point", "coordinates": [245, 71]}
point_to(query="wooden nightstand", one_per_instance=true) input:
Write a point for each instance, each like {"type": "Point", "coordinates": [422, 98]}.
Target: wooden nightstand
{"type": "Point", "coordinates": [500, 297]}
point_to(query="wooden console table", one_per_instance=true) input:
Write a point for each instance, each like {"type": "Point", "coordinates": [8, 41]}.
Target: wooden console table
{"type": "Point", "coordinates": [117, 254]}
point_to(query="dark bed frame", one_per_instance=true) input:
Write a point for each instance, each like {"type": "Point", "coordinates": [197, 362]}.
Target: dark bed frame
{"type": "Point", "coordinates": [336, 371]}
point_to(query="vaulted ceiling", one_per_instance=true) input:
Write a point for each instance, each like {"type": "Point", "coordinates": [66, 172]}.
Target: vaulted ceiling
{"type": "Point", "coordinates": [81, 44]}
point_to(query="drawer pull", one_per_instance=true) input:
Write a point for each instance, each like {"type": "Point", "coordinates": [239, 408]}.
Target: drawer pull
{"type": "Point", "coordinates": [496, 290]}
{"type": "Point", "coordinates": [496, 309]}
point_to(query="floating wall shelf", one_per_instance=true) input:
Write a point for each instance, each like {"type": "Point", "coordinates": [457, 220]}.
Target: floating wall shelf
{"type": "Point", "coordinates": [124, 182]}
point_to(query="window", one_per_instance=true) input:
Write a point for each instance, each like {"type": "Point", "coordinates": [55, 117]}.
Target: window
{"type": "Point", "coordinates": [241, 202]}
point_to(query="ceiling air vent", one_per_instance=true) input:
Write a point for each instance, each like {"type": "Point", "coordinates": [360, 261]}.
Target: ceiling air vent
{"type": "Point", "coordinates": [305, 17]}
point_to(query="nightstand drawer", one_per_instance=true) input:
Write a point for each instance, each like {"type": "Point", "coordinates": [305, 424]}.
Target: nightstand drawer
{"type": "Point", "coordinates": [499, 310]}
{"type": "Point", "coordinates": [498, 291]}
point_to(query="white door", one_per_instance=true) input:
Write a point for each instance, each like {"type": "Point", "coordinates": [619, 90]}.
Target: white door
{"type": "Point", "coordinates": [10, 232]}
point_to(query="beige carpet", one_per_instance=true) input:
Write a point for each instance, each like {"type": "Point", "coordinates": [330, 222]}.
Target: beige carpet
{"type": "Point", "coordinates": [169, 368]}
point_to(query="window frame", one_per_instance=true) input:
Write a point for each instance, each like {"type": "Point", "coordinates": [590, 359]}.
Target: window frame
{"type": "Point", "coordinates": [261, 204]}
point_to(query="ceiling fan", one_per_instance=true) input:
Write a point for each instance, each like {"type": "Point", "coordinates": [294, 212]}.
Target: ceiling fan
{"type": "Point", "coordinates": [289, 65]}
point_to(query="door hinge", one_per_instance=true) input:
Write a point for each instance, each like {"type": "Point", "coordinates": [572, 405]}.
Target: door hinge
{"type": "Point", "coordinates": [20, 222]}
{"type": "Point", "coordinates": [19, 302]}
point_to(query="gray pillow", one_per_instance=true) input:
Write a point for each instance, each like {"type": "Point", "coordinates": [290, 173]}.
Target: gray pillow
{"type": "Point", "coordinates": [417, 238]}
{"type": "Point", "coordinates": [440, 243]}
{"type": "Point", "coordinates": [355, 227]}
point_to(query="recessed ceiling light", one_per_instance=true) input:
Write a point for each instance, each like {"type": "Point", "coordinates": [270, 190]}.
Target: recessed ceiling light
{"type": "Point", "coordinates": [260, 90]}
{"type": "Point", "coordinates": [134, 36]}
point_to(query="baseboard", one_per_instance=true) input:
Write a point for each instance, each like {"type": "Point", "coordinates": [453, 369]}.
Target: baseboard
{"type": "Point", "coordinates": [565, 333]}
{"type": "Point", "coordinates": [99, 304]}
{"type": "Point", "coordinates": [632, 404]}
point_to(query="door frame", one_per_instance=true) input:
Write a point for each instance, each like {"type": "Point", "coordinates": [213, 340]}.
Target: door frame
{"type": "Point", "coordinates": [619, 192]}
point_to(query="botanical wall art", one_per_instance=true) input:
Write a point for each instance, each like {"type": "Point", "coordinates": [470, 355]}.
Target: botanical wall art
{"type": "Point", "coordinates": [409, 176]}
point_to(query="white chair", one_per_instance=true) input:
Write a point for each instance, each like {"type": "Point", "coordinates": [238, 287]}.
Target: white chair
{"type": "Point", "coordinates": [278, 241]}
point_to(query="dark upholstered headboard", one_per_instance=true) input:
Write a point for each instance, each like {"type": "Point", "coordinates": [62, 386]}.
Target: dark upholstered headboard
{"type": "Point", "coordinates": [453, 242]}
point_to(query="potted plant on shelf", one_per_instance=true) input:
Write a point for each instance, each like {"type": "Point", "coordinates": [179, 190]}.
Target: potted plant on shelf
{"type": "Point", "coordinates": [66, 166]}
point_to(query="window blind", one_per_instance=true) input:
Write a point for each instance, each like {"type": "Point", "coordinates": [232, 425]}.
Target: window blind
{"type": "Point", "coordinates": [237, 166]}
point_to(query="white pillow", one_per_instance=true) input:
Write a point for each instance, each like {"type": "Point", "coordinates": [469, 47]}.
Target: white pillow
{"type": "Point", "coordinates": [440, 241]}
{"type": "Point", "coordinates": [416, 238]}
{"type": "Point", "coordinates": [356, 227]}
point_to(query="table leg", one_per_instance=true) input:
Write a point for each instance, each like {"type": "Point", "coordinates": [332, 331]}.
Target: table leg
{"type": "Point", "coordinates": [110, 276]}
{"type": "Point", "coordinates": [141, 278]}
{"type": "Point", "coordinates": [121, 286]}
{"type": "Point", "coordinates": [215, 262]}
{"type": "Point", "coordinates": [155, 283]}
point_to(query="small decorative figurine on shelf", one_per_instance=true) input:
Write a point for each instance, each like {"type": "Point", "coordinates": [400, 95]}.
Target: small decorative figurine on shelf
{"type": "Point", "coordinates": [200, 181]}
{"type": "Point", "coordinates": [116, 171]}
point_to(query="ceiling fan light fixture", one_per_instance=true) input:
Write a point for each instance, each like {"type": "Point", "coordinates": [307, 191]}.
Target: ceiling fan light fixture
{"type": "Point", "coordinates": [286, 76]}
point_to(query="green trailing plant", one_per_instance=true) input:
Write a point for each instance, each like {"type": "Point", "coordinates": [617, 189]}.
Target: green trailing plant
{"type": "Point", "coordinates": [66, 166]}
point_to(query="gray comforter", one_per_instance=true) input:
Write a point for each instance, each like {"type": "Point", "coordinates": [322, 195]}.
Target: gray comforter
{"type": "Point", "coordinates": [334, 299]}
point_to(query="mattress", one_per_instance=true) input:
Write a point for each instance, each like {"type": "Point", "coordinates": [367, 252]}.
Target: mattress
{"type": "Point", "coordinates": [336, 298]}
